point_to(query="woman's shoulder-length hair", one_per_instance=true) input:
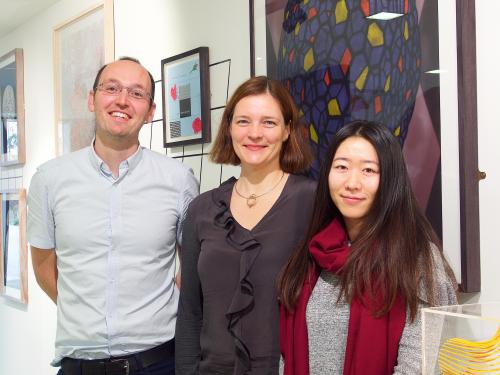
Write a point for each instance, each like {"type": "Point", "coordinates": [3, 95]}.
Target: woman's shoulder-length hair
{"type": "Point", "coordinates": [295, 156]}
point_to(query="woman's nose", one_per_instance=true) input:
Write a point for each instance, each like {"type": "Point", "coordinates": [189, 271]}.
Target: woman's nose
{"type": "Point", "coordinates": [353, 181]}
{"type": "Point", "coordinates": [255, 130]}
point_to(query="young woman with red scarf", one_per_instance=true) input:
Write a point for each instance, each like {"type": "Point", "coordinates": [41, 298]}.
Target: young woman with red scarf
{"type": "Point", "coordinates": [351, 294]}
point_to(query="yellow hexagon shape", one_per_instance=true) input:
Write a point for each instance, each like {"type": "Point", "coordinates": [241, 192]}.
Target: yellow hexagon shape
{"type": "Point", "coordinates": [375, 35]}
{"type": "Point", "coordinates": [361, 80]}
{"type": "Point", "coordinates": [314, 135]}
{"type": "Point", "coordinates": [333, 108]}
{"type": "Point", "coordinates": [341, 11]}
{"type": "Point", "coordinates": [387, 85]}
{"type": "Point", "coordinates": [309, 59]}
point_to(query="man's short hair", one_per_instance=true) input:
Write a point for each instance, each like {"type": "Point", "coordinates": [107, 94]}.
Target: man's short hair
{"type": "Point", "coordinates": [126, 58]}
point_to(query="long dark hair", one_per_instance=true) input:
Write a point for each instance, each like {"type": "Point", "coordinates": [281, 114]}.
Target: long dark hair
{"type": "Point", "coordinates": [393, 251]}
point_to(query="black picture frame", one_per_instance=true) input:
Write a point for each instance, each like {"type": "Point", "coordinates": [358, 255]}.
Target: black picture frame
{"type": "Point", "coordinates": [468, 146]}
{"type": "Point", "coordinates": [186, 98]}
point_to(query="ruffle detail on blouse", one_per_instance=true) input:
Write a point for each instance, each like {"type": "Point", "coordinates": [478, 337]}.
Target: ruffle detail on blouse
{"type": "Point", "coordinates": [243, 298]}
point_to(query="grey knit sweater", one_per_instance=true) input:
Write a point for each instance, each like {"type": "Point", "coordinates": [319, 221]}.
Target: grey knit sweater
{"type": "Point", "coordinates": [327, 323]}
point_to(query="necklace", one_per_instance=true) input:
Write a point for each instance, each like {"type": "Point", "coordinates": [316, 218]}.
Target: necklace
{"type": "Point", "coordinates": [252, 198]}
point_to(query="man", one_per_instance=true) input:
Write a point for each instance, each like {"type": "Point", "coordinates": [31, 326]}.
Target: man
{"type": "Point", "coordinates": [103, 225]}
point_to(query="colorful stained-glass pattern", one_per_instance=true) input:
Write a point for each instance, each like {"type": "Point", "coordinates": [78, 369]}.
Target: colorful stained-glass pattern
{"type": "Point", "coordinates": [341, 66]}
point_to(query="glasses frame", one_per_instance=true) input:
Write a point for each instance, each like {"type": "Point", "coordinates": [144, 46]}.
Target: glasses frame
{"type": "Point", "coordinates": [120, 88]}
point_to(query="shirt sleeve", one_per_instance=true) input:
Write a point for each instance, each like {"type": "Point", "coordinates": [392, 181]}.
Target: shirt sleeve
{"type": "Point", "coordinates": [190, 191]}
{"type": "Point", "coordinates": [40, 216]}
{"type": "Point", "coordinates": [190, 311]}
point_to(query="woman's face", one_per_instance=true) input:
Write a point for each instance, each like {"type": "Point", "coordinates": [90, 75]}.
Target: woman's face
{"type": "Point", "coordinates": [354, 180]}
{"type": "Point", "coordinates": [258, 131]}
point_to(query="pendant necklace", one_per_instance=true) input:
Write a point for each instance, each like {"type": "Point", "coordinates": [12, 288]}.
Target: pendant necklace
{"type": "Point", "coordinates": [252, 198]}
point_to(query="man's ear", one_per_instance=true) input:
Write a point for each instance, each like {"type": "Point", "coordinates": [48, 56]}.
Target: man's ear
{"type": "Point", "coordinates": [90, 101]}
{"type": "Point", "coordinates": [151, 113]}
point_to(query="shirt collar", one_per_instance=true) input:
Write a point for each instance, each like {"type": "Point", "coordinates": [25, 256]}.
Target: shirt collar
{"type": "Point", "coordinates": [127, 165]}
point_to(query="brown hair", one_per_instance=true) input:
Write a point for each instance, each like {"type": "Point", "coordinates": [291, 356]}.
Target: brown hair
{"type": "Point", "coordinates": [295, 156]}
{"type": "Point", "coordinates": [395, 244]}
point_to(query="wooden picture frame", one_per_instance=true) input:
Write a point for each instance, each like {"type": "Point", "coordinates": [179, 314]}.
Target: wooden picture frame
{"type": "Point", "coordinates": [13, 246]}
{"type": "Point", "coordinates": [82, 45]}
{"type": "Point", "coordinates": [12, 138]}
{"type": "Point", "coordinates": [465, 249]}
{"type": "Point", "coordinates": [468, 146]}
{"type": "Point", "coordinates": [186, 98]}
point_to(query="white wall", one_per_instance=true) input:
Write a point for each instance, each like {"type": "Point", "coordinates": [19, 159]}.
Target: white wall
{"type": "Point", "coordinates": [172, 27]}
{"type": "Point", "coordinates": [27, 333]}
{"type": "Point", "coordinates": [488, 82]}
{"type": "Point", "coordinates": [152, 30]}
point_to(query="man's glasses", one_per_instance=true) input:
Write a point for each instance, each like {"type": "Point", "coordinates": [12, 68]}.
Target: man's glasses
{"type": "Point", "coordinates": [115, 89]}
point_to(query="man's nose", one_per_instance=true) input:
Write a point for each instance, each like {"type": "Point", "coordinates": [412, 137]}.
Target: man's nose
{"type": "Point", "coordinates": [122, 97]}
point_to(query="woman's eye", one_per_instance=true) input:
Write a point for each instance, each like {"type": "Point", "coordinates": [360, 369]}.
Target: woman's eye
{"type": "Point", "coordinates": [269, 123]}
{"type": "Point", "coordinates": [369, 171]}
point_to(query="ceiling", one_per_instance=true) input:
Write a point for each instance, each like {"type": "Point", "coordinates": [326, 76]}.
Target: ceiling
{"type": "Point", "coordinates": [14, 13]}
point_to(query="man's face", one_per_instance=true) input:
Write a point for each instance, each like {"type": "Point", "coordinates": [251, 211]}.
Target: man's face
{"type": "Point", "coordinates": [120, 117]}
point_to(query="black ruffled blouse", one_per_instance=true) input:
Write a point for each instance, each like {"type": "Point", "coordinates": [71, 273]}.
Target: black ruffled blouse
{"type": "Point", "coordinates": [228, 319]}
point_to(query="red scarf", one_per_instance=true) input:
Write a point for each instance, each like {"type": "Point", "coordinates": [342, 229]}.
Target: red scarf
{"type": "Point", "coordinates": [372, 343]}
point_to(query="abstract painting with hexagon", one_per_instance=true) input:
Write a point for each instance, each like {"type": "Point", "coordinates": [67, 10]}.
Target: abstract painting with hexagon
{"type": "Point", "coordinates": [345, 60]}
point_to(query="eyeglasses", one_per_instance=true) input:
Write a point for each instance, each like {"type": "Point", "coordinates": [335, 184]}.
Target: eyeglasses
{"type": "Point", "coordinates": [115, 89]}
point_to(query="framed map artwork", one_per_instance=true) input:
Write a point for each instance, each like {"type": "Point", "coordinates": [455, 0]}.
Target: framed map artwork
{"type": "Point", "coordinates": [81, 46]}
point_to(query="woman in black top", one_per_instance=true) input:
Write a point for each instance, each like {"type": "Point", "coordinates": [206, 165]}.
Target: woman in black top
{"type": "Point", "coordinates": [237, 237]}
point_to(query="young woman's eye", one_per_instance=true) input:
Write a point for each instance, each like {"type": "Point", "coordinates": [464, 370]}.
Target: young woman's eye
{"type": "Point", "coordinates": [370, 171]}
{"type": "Point", "coordinates": [340, 167]}
{"type": "Point", "coordinates": [269, 124]}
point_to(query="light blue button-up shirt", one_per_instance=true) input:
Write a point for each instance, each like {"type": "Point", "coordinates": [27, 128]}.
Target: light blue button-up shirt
{"type": "Point", "coordinates": [115, 240]}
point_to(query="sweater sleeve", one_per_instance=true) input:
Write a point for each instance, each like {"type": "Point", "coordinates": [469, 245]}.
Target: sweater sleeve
{"type": "Point", "coordinates": [410, 347]}
{"type": "Point", "coordinates": [190, 312]}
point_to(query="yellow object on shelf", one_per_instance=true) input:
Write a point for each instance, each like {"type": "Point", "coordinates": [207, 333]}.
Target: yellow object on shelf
{"type": "Point", "coordinates": [461, 340]}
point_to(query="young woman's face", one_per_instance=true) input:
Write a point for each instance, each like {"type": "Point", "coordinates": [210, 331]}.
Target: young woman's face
{"type": "Point", "coordinates": [354, 180]}
{"type": "Point", "coordinates": [258, 131]}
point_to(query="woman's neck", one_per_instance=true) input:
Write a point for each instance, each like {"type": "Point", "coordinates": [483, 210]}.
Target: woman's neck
{"type": "Point", "coordinates": [353, 227]}
{"type": "Point", "coordinates": [255, 181]}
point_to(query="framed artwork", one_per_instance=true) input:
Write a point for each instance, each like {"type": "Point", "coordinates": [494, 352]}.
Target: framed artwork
{"type": "Point", "coordinates": [186, 98]}
{"type": "Point", "coordinates": [384, 61]}
{"type": "Point", "coordinates": [12, 142]}
{"type": "Point", "coordinates": [81, 46]}
{"type": "Point", "coordinates": [13, 246]}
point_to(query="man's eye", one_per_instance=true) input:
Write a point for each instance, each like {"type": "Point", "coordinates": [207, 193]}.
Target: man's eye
{"type": "Point", "coordinates": [111, 89]}
{"type": "Point", "coordinates": [137, 94]}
